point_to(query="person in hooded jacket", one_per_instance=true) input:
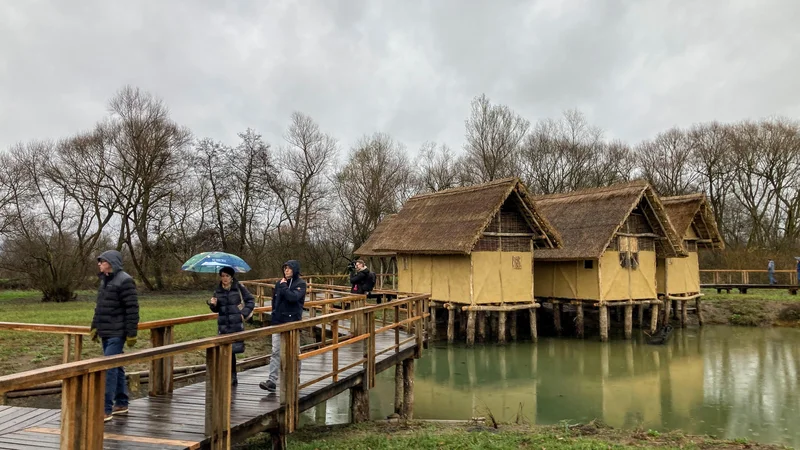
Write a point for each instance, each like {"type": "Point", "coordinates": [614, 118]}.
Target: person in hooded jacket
{"type": "Point", "coordinates": [288, 299]}
{"type": "Point", "coordinates": [235, 305]}
{"type": "Point", "coordinates": [115, 322]}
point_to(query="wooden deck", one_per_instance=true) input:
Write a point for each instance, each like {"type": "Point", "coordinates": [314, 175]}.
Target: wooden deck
{"type": "Point", "coordinates": [177, 420]}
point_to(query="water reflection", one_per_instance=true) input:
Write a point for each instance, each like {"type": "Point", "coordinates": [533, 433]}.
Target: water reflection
{"type": "Point", "coordinates": [730, 382]}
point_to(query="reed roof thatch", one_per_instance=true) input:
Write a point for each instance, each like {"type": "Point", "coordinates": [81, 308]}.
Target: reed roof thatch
{"type": "Point", "coordinates": [368, 247]}
{"type": "Point", "coordinates": [694, 210]}
{"type": "Point", "coordinates": [590, 218]}
{"type": "Point", "coordinates": [452, 221]}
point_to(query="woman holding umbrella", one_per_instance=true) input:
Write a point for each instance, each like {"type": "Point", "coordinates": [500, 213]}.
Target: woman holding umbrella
{"type": "Point", "coordinates": [235, 304]}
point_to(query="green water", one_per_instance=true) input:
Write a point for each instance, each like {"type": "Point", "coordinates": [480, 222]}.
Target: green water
{"type": "Point", "coordinates": [725, 381]}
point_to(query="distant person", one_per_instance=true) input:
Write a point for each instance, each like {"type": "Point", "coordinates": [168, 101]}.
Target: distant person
{"type": "Point", "coordinates": [115, 322]}
{"type": "Point", "coordinates": [771, 272]}
{"type": "Point", "coordinates": [235, 305]}
{"type": "Point", "coordinates": [288, 299]}
{"type": "Point", "coordinates": [362, 279]}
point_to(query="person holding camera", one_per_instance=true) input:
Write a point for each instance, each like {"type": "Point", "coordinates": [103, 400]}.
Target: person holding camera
{"type": "Point", "coordinates": [361, 278]}
{"type": "Point", "coordinates": [234, 304]}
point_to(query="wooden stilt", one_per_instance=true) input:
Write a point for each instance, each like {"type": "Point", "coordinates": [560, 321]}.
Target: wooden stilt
{"type": "Point", "coordinates": [501, 328]}
{"type": "Point", "coordinates": [320, 413]}
{"type": "Point", "coordinates": [667, 304]}
{"type": "Point", "coordinates": [628, 321]}
{"type": "Point", "coordinates": [278, 440]}
{"type": "Point", "coordinates": [451, 324]}
{"type": "Point", "coordinates": [462, 323]}
{"type": "Point", "coordinates": [603, 323]}
{"type": "Point", "coordinates": [653, 318]}
{"type": "Point", "coordinates": [579, 320]}
{"type": "Point", "coordinates": [640, 315]}
{"type": "Point", "coordinates": [683, 313]}
{"type": "Point", "coordinates": [513, 325]}
{"type": "Point", "coordinates": [359, 403]}
{"type": "Point", "coordinates": [471, 328]}
{"type": "Point", "coordinates": [432, 323]}
{"type": "Point", "coordinates": [482, 325]}
{"type": "Point", "coordinates": [398, 389]}
{"type": "Point", "coordinates": [699, 311]}
{"type": "Point", "coordinates": [674, 309]}
{"type": "Point", "coordinates": [534, 332]}
{"type": "Point", "coordinates": [557, 309]}
{"type": "Point", "coordinates": [492, 323]}
{"type": "Point", "coordinates": [408, 388]}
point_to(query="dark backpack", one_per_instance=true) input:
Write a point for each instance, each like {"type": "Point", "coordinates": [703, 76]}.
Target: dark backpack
{"type": "Point", "coordinates": [370, 283]}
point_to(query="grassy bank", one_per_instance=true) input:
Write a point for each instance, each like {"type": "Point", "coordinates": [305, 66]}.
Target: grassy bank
{"type": "Point", "coordinates": [759, 307]}
{"type": "Point", "coordinates": [23, 351]}
{"type": "Point", "coordinates": [424, 435]}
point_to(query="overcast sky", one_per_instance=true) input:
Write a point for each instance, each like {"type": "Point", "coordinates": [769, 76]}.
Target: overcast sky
{"type": "Point", "coordinates": [408, 68]}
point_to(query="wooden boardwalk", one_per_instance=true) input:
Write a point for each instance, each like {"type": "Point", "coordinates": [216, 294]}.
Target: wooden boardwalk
{"type": "Point", "coordinates": [177, 420]}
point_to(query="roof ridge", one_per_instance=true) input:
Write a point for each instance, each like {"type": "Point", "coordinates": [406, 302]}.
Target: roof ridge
{"type": "Point", "coordinates": [683, 198]}
{"type": "Point", "coordinates": [471, 188]}
{"type": "Point", "coordinates": [640, 184]}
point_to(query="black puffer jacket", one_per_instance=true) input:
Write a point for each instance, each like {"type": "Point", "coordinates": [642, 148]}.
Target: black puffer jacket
{"type": "Point", "coordinates": [289, 298]}
{"type": "Point", "coordinates": [231, 318]}
{"type": "Point", "coordinates": [116, 313]}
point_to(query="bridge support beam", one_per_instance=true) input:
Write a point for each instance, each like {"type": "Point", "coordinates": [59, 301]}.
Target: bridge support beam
{"type": "Point", "coordinates": [408, 388]}
{"type": "Point", "coordinates": [398, 389]}
{"type": "Point", "coordinates": [359, 403]}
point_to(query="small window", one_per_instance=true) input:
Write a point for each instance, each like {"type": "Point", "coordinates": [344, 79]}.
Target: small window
{"type": "Point", "coordinates": [588, 264]}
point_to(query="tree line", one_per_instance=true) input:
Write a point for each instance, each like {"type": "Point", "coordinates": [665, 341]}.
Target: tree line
{"type": "Point", "coordinates": [146, 185]}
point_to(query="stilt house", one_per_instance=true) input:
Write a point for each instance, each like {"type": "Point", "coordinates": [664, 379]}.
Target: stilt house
{"type": "Point", "coordinates": [612, 237]}
{"type": "Point", "coordinates": [469, 246]}
{"type": "Point", "coordinates": [693, 219]}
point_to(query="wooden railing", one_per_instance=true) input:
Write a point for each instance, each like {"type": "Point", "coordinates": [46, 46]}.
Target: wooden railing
{"type": "Point", "coordinates": [745, 276]}
{"type": "Point", "coordinates": [84, 381]}
{"type": "Point", "coordinates": [161, 373]}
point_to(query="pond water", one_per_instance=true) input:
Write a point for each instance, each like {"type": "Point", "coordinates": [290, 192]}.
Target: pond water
{"type": "Point", "coordinates": [725, 381]}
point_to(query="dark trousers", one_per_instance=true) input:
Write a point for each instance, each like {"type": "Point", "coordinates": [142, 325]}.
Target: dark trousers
{"type": "Point", "coordinates": [116, 385]}
{"type": "Point", "coordinates": [233, 366]}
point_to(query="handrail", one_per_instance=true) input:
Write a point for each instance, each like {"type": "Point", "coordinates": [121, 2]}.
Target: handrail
{"type": "Point", "coordinates": [46, 374]}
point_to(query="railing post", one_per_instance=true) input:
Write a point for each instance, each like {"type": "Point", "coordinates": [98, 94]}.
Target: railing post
{"type": "Point", "coordinates": [218, 396]}
{"type": "Point", "coordinates": [369, 350]}
{"type": "Point", "coordinates": [161, 369]}
{"type": "Point", "coordinates": [82, 403]}
{"type": "Point", "coordinates": [419, 329]}
{"type": "Point", "coordinates": [290, 380]}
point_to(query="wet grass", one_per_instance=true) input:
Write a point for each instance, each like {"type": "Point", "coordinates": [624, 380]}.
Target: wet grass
{"type": "Point", "coordinates": [425, 435]}
{"type": "Point", "coordinates": [759, 307]}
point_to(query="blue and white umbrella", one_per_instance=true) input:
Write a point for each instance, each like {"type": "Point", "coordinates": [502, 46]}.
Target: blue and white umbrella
{"type": "Point", "coordinates": [211, 262]}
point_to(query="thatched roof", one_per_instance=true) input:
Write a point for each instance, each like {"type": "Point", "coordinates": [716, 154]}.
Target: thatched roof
{"type": "Point", "coordinates": [452, 221]}
{"type": "Point", "coordinates": [368, 247]}
{"type": "Point", "coordinates": [694, 209]}
{"type": "Point", "coordinates": [589, 219]}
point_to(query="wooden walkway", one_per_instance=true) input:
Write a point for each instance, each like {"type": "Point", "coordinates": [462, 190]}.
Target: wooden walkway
{"type": "Point", "coordinates": [177, 420]}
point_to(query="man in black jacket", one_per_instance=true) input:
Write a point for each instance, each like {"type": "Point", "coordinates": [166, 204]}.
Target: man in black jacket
{"type": "Point", "coordinates": [362, 280]}
{"type": "Point", "coordinates": [115, 322]}
{"type": "Point", "coordinates": [288, 299]}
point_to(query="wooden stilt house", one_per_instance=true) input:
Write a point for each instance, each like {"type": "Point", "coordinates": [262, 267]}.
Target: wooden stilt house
{"type": "Point", "coordinates": [472, 248]}
{"type": "Point", "coordinates": [679, 278]}
{"type": "Point", "coordinates": [612, 237]}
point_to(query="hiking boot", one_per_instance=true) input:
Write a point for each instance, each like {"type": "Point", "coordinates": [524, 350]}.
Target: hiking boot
{"type": "Point", "coordinates": [268, 386]}
{"type": "Point", "coordinates": [119, 410]}
{"type": "Point", "coordinates": [107, 417]}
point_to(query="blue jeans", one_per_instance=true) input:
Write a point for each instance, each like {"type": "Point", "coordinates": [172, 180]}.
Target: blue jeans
{"type": "Point", "coordinates": [116, 386]}
{"type": "Point", "coordinates": [772, 279]}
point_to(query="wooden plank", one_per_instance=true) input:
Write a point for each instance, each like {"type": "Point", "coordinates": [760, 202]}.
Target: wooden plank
{"type": "Point", "coordinates": [127, 438]}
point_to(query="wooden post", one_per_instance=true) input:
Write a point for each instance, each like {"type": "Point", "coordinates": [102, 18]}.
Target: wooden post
{"type": "Point", "coordinates": [359, 403]}
{"type": "Point", "coordinates": [289, 381]}
{"type": "Point", "coordinates": [534, 332]}
{"type": "Point", "coordinates": [501, 328]}
{"type": "Point", "coordinates": [408, 388]}
{"type": "Point", "coordinates": [369, 353]}
{"type": "Point", "coordinates": [699, 311]}
{"type": "Point", "coordinates": [603, 323]}
{"type": "Point", "coordinates": [481, 326]}
{"type": "Point", "coordinates": [683, 313]}
{"type": "Point", "coordinates": [161, 369]}
{"type": "Point", "coordinates": [471, 328]}
{"type": "Point", "coordinates": [398, 389]}
{"type": "Point", "coordinates": [218, 396]}
{"type": "Point", "coordinates": [513, 325]}
{"type": "Point", "coordinates": [640, 315]}
{"type": "Point", "coordinates": [462, 322]}
{"type": "Point", "coordinates": [451, 323]}
{"type": "Point", "coordinates": [654, 318]}
{"type": "Point", "coordinates": [557, 309]}
{"type": "Point", "coordinates": [82, 411]}
{"type": "Point", "coordinates": [432, 323]}
{"type": "Point", "coordinates": [579, 320]}
{"type": "Point", "coordinates": [675, 306]}
{"type": "Point", "coordinates": [628, 321]}
{"type": "Point", "coordinates": [66, 351]}
{"type": "Point", "coordinates": [320, 413]}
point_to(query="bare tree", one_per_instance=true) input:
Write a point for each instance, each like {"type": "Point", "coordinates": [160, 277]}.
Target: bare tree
{"type": "Point", "coordinates": [665, 163]}
{"type": "Point", "coordinates": [493, 134]}
{"type": "Point", "coordinates": [712, 159]}
{"type": "Point", "coordinates": [376, 180]}
{"type": "Point", "coordinates": [438, 167]}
